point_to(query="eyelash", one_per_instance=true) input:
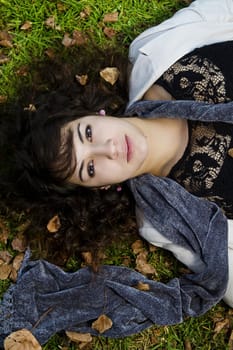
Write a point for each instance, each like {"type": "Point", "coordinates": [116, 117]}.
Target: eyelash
{"type": "Point", "coordinates": [91, 169]}
{"type": "Point", "coordinates": [88, 133]}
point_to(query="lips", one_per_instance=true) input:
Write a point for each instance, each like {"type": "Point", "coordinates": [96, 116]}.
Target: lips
{"type": "Point", "coordinates": [129, 148]}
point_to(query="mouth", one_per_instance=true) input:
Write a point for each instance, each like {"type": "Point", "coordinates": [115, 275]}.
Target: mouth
{"type": "Point", "coordinates": [129, 151]}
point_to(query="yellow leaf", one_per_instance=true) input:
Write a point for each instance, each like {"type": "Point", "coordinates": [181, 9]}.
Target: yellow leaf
{"type": "Point", "coordinates": [102, 324]}
{"type": "Point", "coordinates": [54, 224]}
{"type": "Point", "coordinates": [21, 340]}
{"type": "Point", "coordinates": [110, 74]}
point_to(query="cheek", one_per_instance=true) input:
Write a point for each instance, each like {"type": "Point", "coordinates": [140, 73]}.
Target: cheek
{"type": "Point", "coordinates": [108, 170]}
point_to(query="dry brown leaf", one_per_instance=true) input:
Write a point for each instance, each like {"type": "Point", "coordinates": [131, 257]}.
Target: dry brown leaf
{"type": "Point", "coordinates": [4, 35]}
{"type": "Point", "coordinates": [82, 79]}
{"type": "Point", "coordinates": [18, 261]}
{"type": "Point", "coordinates": [50, 53]}
{"type": "Point", "coordinates": [5, 256]}
{"type": "Point", "coordinates": [26, 26]}
{"type": "Point", "coordinates": [142, 286]}
{"type": "Point", "coordinates": [6, 43]}
{"type": "Point", "coordinates": [4, 59]}
{"type": "Point", "coordinates": [19, 243]}
{"type": "Point", "coordinates": [67, 41]}
{"type": "Point", "coordinates": [13, 275]}
{"type": "Point", "coordinates": [152, 248]}
{"type": "Point", "coordinates": [61, 7]}
{"type": "Point", "coordinates": [79, 37]}
{"type": "Point", "coordinates": [187, 344]}
{"type": "Point", "coordinates": [79, 337]}
{"type": "Point", "coordinates": [109, 32]}
{"type": "Point", "coordinates": [23, 71]}
{"type": "Point", "coordinates": [21, 340]}
{"type": "Point", "coordinates": [142, 264]}
{"type": "Point", "coordinates": [230, 152]}
{"type": "Point", "coordinates": [3, 99]}
{"type": "Point", "coordinates": [220, 325]}
{"type": "Point", "coordinates": [137, 246]}
{"type": "Point", "coordinates": [85, 13]}
{"type": "Point", "coordinates": [87, 257]}
{"type": "Point", "coordinates": [111, 17]}
{"type": "Point", "coordinates": [110, 74]}
{"type": "Point", "coordinates": [102, 324]}
{"type": "Point", "coordinates": [5, 271]}
{"type": "Point", "coordinates": [54, 224]}
{"type": "Point", "coordinates": [50, 22]}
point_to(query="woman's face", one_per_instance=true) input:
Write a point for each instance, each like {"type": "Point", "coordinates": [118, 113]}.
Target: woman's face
{"type": "Point", "coordinates": [108, 150]}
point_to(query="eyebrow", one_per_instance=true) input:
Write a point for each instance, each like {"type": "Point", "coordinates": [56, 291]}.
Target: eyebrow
{"type": "Point", "coordinates": [79, 133]}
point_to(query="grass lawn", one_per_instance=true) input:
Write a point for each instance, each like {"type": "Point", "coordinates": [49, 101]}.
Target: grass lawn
{"type": "Point", "coordinates": [32, 30]}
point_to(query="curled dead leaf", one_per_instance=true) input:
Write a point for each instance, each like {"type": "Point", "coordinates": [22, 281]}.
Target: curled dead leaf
{"type": "Point", "coordinates": [143, 266]}
{"type": "Point", "coordinates": [102, 324]}
{"type": "Point", "coordinates": [137, 246]}
{"type": "Point", "coordinates": [82, 79]}
{"type": "Point", "coordinates": [110, 74]}
{"type": "Point", "coordinates": [50, 53]}
{"type": "Point", "coordinates": [67, 41]}
{"type": "Point", "coordinates": [5, 271]}
{"type": "Point", "coordinates": [85, 12]}
{"type": "Point", "coordinates": [79, 337]}
{"type": "Point", "coordinates": [111, 17]}
{"type": "Point", "coordinates": [109, 32]}
{"type": "Point", "coordinates": [5, 256]}
{"type": "Point", "coordinates": [50, 22]}
{"type": "Point", "coordinates": [19, 243]}
{"type": "Point", "coordinates": [18, 261]}
{"type": "Point", "coordinates": [26, 26]}
{"type": "Point", "coordinates": [142, 286]}
{"type": "Point", "coordinates": [6, 43]}
{"type": "Point", "coordinates": [21, 340]}
{"type": "Point", "coordinates": [4, 35]}
{"type": "Point", "coordinates": [220, 325]}
{"type": "Point", "coordinates": [87, 256]}
{"type": "Point", "coordinates": [79, 37]}
{"type": "Point", "coordinates": [230, 152]}
{"type": "Point", "coordinates": [54, 224]}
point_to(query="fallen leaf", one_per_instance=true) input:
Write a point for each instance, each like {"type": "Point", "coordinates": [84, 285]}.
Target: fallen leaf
{"type": "Point", "coordinates": [110, 74]}
{"type": "Point", "coordinates": [18, 261]}
{"type": "Point", "coordinates": [4, 35]}
{"type": "Point", "coordinates": [67, 41]}
{"type": "Point", "coordinates": [142, 286]}
{"type": "Point", "coordinates": [87, 257]}
{"type": "Point", "coordinates": [54, 224]}
{"type": "Point", "coordinates": [142, 264]}
{"type": "Point", "coordinates": [85, 12]}
{"type": "Point", "coordinates": [230, 152]}
{"type": "Point", "coordinates": [21, 340]}
{"type": "Point", "coordinates": [61, 7]}
{"type": "Point", "coordinates": [4, 231]}
{"type": "Point", "coordinates": [13, 275]}
{"type": "Point", "coordinates": [111, 17]}
{"type": "Point", "coordinates": [102, 324]}
{"type": "Point", "coordinates": [220, 325]}
{"type": "Point", "coordinates": [5, 271]}
{"type": "Point", "coordinates": [109, 32]}
{"type": "Point", "coordinates": [5, 256]}
{"type": "Point", "coordinates": [50, 22]}
{"type": "Point", "coordinates": [82, 79]}
{"type": "Point", "coordinates": [79, 337]}
{"type": "Point", "coordinates": [187, 344]}
{"type": "Point", "coordinates": [79, 37]}
{"type": "Point", "coordinates": [6, 43]}
{"type": "Point", "coordinates": [23, 71]}
{"type": "Point", "coordinates": [4, 59]}
{"type": "Point", "coordinates": [26, 26]}
{"type": "Point", "coordinates": [137, 246]}
{"type": "Point", "coordinates": [50, 53]}
{"type": "Point", "coordinates": [152, 248]}
{"type": "Point", "coordinates": [19, 243]}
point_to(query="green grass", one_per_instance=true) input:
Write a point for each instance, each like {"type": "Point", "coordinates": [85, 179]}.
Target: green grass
{"type": "Point", "coordinates": [30, 46]}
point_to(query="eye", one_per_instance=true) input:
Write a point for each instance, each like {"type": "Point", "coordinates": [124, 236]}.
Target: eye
{"type": "Point", "coordinates": [91, 169]}
{"type": "Point", "coordinates": [88, 133]}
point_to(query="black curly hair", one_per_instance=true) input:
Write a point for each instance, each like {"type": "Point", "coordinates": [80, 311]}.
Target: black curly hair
{"type": "Point", "coordinates": [31, 140]}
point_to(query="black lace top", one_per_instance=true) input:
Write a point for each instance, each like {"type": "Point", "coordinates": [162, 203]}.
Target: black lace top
{"type": "Point", "coordinates": [206, 168]}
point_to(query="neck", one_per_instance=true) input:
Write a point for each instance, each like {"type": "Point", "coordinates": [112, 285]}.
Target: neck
{"type": "Point", "coordinates": [167, 140]}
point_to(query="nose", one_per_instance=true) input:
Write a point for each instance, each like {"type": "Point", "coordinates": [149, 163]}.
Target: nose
{"type": "Point", "coordinates": [107, 149]}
